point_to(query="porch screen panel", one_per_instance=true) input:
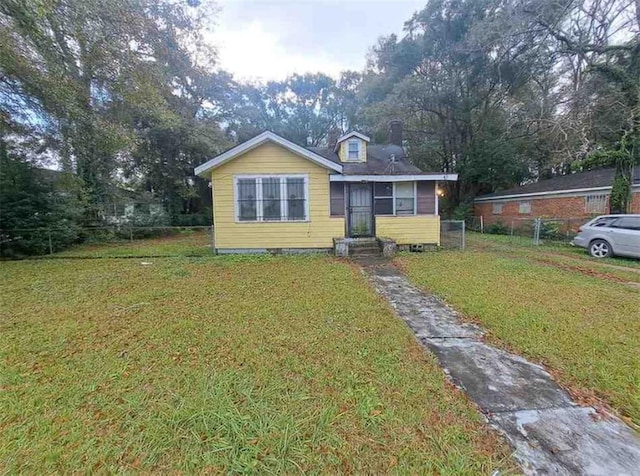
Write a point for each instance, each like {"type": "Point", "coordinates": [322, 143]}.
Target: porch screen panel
{"type": "Point", "coordinates": [426, 197]}
{"type": "Point", "coordinates": [271, 199]}
{"type": "Point", "coordinates": [247, 200]}
{"type": "Point", "coordinates": [405, 198]}
{"type": "Point", "coordinates": [383, 198]}
{"type": "Point", "coordinates": [295, 199]}
{"type": "Point", "coordinates": [336, 199]}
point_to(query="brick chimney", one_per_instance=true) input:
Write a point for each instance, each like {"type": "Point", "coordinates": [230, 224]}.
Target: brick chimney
{"type": "Point", "coordinates": [332, 138]}
{"type": "Point", "coordinates": [395, 132]}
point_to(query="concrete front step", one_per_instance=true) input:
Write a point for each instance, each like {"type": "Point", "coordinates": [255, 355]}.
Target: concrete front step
{"type": "Point", "coordinates": [363, 247]}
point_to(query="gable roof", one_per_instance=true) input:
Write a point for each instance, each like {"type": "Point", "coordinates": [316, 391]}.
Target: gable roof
{"type": "Point", "coordinates": [352, 134]}
{"type": "Point", "coordinates": [599, 179]}
{"type": "Point", "coordinates": [258, 140]}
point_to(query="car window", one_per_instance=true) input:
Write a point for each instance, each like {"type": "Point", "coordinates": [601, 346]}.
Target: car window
{"type": "Point", "coordinates": [628, 223]}
{"type": "Point", "coordinates": [604, 221]}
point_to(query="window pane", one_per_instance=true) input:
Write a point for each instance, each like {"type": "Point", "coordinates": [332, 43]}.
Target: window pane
{"type": "Point", "coordinates": [524, 207]}
{"type": "Point", "coordinates": [607, 222]}
{"type": "Point", "coordinates": [353, 148]}
{"type": "Point", "coordinates": [628, 223]}
{"type": "Point", "coordinates": [383, 189]}
{"type": "Point", "coordinates": [295, 198]}
{"type": "Point", "coordinates": [404, 198]}
{"type": "Point", "coordinates": [247, 200]}
{"type": "Point", "coordinates": [404, 189]}
{"type": "Point", "coordinates": [497, 208]}
{"type": "Point", "coordinates": [271, 199]}
{"type": "Point", "coordinates": [336, 191]}
{"type": "Point", "coordinates": [404, 206]}
{"type": "Point", "coordinates": [384, 206]}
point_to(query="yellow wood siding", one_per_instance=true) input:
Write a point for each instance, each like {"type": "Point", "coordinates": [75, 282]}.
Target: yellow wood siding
{"type": "Point", "coordinates": [343, 149]}
{"type": "Point", "coordinates": [267, 159]}
{"type": "Point", "coordinates": [408, 230]}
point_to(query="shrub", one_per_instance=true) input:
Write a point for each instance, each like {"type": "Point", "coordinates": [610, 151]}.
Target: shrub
{"type": "Point", "coordinates": [497, 228]}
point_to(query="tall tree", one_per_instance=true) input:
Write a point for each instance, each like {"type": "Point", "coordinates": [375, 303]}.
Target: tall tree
{"type": "Point", "coordinates": [302, 108]}
{"type": "Point", "coordinates": [96, 72]}
{"type": "Point", "coordinates": [598, 41]}
{"type": "Point", "coordinates": [454, 79]}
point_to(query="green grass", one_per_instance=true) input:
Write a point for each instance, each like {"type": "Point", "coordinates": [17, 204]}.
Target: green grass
{"type": "Point", "coordinates": [523, 244]}
{"type": "Point", "coordinates": [254, 364]}
{"type": "Point", "coordinates": [188, 243]}
{"type": "Point", "coordinates": [584, 327]}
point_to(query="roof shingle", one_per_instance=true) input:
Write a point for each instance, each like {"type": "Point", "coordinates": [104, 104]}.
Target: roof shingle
{"type": "Point", "coordinates": [379, 161]}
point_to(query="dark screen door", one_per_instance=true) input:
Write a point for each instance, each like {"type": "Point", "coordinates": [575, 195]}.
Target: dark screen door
{"type": "Point", "coordinates": [360, 210]}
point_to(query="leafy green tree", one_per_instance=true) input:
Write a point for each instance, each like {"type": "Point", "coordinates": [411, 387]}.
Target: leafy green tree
{"type": "Point", "coordinates": [455, 79]}
{"type": "Point", "coordinates": [609, 64]}
{"type": "Point", "coordinates": [39, 209]}
{"type": "Point", "coordinates": [106, 80]}
{"type": "Point", "coordinates": [302, 108]}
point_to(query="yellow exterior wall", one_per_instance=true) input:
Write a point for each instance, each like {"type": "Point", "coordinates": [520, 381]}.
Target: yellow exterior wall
{"type": "Point", "coordinates": [267, 159]}
{"type": "Point", "coordinates": [407, 230]}
{"type": "Point", "coordinates": [343, 149]}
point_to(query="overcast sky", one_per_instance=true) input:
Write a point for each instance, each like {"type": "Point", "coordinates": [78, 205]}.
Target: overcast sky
{"type": "Point", "coordinates": [270, 39]}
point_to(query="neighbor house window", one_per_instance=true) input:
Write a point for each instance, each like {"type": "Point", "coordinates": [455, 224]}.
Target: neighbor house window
{"type": "Point", "coordinates": [353, 150]}
{"type": "Point", "coordinates": [595, 204]}
{"type": "Point", "coordinates": [497, 208]}
{"type": "Point", "coordinates": [271, 198]}
{"type": "Point", "coordinates": [524, 207]}
{"type": "Point", "coordinates": [397, 198]}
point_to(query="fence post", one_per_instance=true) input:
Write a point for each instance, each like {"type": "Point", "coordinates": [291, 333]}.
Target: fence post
{"type": "Point", "coordinates": [131, 232]}
{"type": "Point", "coordinates": [511, 227]}
{"type": "Point", "coordinates": [50, 242]}
{"type": "Point", "coordinates": [481, 223]}
{"type": "Point", "coordinates": [464, 226]}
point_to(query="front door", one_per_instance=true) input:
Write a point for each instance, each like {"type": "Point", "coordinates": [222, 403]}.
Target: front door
{"type": "Point", "coordinates": [360, 209]}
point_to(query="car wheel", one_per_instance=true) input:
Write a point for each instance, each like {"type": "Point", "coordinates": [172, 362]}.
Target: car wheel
{"type": "Point", "coordinates": [600, 249]}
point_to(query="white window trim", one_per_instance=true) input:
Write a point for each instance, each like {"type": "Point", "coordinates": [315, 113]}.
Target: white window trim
{"type": "Point", "coordinates": [359, 144]}
{"type": "Point", "coordinates": [393, 201]}
{"type": "Point", "coordinates": [284, 203]}
{"type": "Point", "coordinates": [497, 204]}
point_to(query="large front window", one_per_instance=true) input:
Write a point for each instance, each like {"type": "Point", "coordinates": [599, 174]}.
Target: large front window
{"type": "Point", "coordinates": [271, 198]}
{"type": "Point", "coordinates": [397, 198]}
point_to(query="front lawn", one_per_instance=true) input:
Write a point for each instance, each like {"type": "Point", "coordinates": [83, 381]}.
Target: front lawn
{"type": "Point", "coordinates": [185, 242]}
{"type": "Point", "coordinates": [584, 326]}
{"type": "Point", "coordinates": [262, 364]}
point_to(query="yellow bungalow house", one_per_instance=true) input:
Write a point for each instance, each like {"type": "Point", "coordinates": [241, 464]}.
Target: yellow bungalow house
{"type": "Point", "coordinates": [270, 194]}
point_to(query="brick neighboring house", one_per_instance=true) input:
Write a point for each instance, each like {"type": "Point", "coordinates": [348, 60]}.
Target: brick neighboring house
{"type": "Point", "coordinates": [579, 195]}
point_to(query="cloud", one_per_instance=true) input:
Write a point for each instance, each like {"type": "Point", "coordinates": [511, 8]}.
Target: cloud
{"type": "Point", "coordinates": [251, 52]}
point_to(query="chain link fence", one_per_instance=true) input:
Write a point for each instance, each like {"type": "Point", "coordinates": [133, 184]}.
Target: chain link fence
{"type": "Point", "coordinates": [129, 241]}
{"type": "Point", "coordinates": [540, 229]}
{"type": "Point", "coordinates": [453, 234]}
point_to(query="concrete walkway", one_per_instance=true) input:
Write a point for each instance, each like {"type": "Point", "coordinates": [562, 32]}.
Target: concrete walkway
{"type": "Point", "coordinates": [550, 433]}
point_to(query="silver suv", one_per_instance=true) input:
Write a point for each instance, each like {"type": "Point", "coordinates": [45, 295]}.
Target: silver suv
{"type": "Point", "coordinates": [610, 235]}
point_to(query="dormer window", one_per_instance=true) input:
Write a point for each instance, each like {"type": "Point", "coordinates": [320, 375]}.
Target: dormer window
{"type": "Point", "coordinates": [353, 150]}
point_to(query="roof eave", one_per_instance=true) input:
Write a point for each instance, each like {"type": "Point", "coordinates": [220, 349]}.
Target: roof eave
{"type": "Point", "coordinates": [393, 178]}
{"type": "Point", "coordinates": [540, 194]}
